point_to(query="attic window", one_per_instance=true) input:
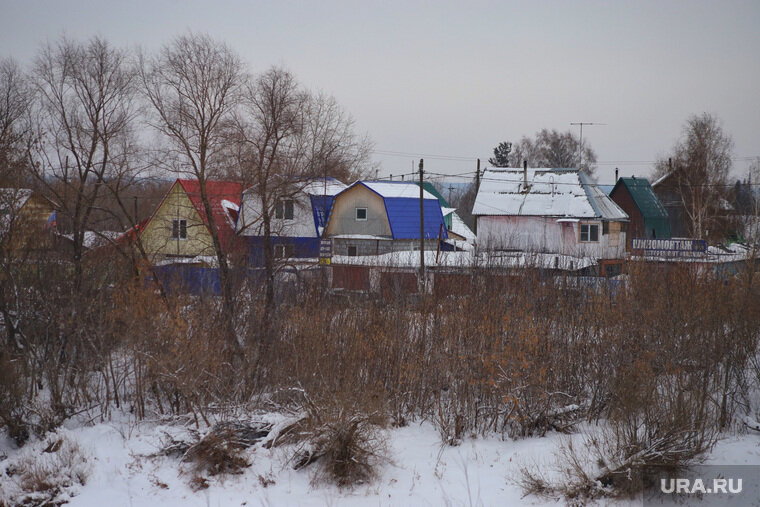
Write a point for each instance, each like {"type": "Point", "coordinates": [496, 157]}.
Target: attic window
{"type": "Point", "coordinates": [361, 214]}
{"type": "Point", "coordinates": [283, 209]}
{"type": "Point", "coordinates": [589, 233]}
{"type": "Point", "coordinates": [179, 229]}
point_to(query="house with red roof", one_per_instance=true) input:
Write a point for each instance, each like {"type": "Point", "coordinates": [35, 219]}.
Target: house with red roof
{"type": "Point", "coordinates": [179, 227]}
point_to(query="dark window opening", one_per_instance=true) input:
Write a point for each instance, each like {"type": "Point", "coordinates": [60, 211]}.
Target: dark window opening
{"type": "Point", "coordinates": [352, 251]}
{"type": "Point", "coordinates": [361, 213]}
{"type": "Point", "coordinates": [589, 233]}
{"type": "Point", "coordinates": [284, 209]}
{"type": "Point", "coordinates": [179, 229]}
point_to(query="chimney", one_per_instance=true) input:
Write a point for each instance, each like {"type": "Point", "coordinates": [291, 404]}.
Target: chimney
{"type": "Point", "coordinates": [616, 175]}
{"type": "Point", "coordinates": [525, 175]}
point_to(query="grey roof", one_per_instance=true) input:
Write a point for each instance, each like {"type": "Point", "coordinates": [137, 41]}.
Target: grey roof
{"type": "Point", "coordinates": [551, 192]}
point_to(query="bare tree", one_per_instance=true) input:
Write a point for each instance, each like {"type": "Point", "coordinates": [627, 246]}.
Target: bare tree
{"type": "Point", "coordinates": [82, 129]}
{"type": "Point", "coordinates": [698, 172]}
{"type": "Point", "coordinates": [286, 139]}
{"type": "Point", "coordinates": [194, 86]}
{"type": "Point", "coordinates": [551, 148]}
{"type": "Point", "coordinates": [14, 108]}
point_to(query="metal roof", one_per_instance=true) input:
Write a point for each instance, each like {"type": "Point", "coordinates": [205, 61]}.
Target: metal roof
{"type": "Point", "coordinates": [653, 213]}
{"type": "Point", "coordinates": [402, 206]}
{"type": "Point", "coordinates": [644, 197]}
{"type": "Point", "coordinates": [550, 192]}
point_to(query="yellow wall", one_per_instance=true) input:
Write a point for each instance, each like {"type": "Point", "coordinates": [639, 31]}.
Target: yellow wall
{"type": "Point", "coordinates": [29, 225]}
{"type": "Point", "coordinates": [343, 215]}
{"type": "Point", "coordinates": [157, 236]}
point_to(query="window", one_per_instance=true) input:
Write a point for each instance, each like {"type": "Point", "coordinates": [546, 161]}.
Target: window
{"type": "Point", "coordinates": [283, 251]}
{"type": "Point", "coordinates": [361, 213]}
{"type": "Point", "coordinates": [179, 229]}
{"type": "Point", "coordinates": [605, 228]}
{"type": "Point", "coordinates": [589, 233]}
{"type": "Point", "coordinates": [352, 251]}
{"type": "Point", "coordinates": [284, 209]}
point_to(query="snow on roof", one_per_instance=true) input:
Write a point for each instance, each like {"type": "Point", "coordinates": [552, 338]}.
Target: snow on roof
{"type": "Point", "coordinates": [459, 227]}
{"type": "Point", "coordinates": [550, 192]}
{"type": "Point", "coordinates": [13, 198]}
{"type": "Point", "coordinates": [390, 189]}
{"type": "Point", "coordinates": [327, 186]}
{"type": "Point", "coordinates": [402, 206]}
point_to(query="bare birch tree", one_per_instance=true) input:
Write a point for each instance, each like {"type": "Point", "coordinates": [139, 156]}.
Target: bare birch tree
{"type": "Point", "coordinates": [699, 168]}
{"type": "Point", "coordinates": [194, 86]}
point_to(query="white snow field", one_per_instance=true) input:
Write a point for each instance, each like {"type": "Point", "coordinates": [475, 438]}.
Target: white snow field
{"type": "Point", "coordinates": [115, 458]}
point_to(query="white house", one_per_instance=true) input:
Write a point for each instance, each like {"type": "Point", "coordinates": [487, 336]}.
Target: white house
{"type": "Point", "coordinates": [298, 222]}
{"type": "Point", "coordinates": [549, 211]}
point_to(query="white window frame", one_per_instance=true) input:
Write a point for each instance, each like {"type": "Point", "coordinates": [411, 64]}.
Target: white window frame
{"type": "Point", "coordinates": [283, 251]}
{"type": "Point", "coordinates": [356, 214]}
{"type": "Point", "coordinates": [177, 233]}
{"type": "Point", "coordinates": [589, 227]}
{"type": "Point", "coordinates": [281, 208]}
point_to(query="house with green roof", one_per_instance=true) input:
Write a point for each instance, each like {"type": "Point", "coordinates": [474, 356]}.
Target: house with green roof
{"type": "Point", "coordinates": [648, 217]}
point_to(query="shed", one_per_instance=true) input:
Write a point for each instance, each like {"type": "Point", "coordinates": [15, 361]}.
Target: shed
{"type": "Point", "coordinates": [648, 217]}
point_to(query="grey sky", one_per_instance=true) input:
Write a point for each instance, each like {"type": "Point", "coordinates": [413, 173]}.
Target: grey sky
{"type": "Point", "coordinates": [455, 78]}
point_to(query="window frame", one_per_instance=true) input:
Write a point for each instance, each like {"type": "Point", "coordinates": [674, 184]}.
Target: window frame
{"type": "Point", "coordinates": [355, 250]}
{"type": "Point", "coordinates": [179, 229]}
{"type": "Point", "coordinates": [283, 251]}
{"type": "Point", "coordinates": [283, 208]}
{"type": "Point", "coordinates": [356, 213]}
{"type": "Point", "coordinates": [590, 226]}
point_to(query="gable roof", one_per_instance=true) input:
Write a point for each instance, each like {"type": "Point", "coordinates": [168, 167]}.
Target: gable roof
{"type": "Point", "coordinates": [224, 198]}
{"type": "Point", "coordinates": [402, 207]}
{"type": "Point", "coordinates": [643, 196]}
{"type": "Point", "coordinates": [322, 194]}
{"type": "Point", "coordinates": [551, 192]}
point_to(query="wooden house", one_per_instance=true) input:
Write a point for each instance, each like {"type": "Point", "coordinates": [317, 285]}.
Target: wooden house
{"type": "Point", "coordinates": [179, 226]}
{"type": "Point", "coordinates": [647, 215]}
{"type": "Point", "coordinates": [548, 211]}
{"type": "Point", "coordinates": [27, 220]}
{"type": "Point", "coordinates": [379, 217]}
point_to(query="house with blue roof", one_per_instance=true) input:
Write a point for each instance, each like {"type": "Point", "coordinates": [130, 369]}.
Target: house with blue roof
{"type": "Point", "coordinates": [379, 217]}
{"type": "Point", "coordinates": [297, 224]}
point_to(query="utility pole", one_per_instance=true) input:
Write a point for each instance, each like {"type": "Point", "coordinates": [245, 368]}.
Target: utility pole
{"type": "Point", "coordinates": [422, 233]}
{"type": "Point", "coordinates": [477, 187]}
{"type": "Point", "coordinates": [580, 148]}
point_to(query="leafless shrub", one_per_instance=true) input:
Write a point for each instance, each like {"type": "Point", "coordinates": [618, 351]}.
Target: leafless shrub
{"type": "Point", "coordinates": [347, 446]}
{"type": "Point", "coordinates": [45, 475]}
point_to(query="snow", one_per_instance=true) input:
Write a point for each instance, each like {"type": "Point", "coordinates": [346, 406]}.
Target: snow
{"type": "Point", "coordinates": [418, 470]}
{"type": "Point", "coordinates": [550, 192]}
{"type": "Point", "coordinates": [406, 189]}
{"type": "Point", "coordinates": [321, 187]}
{"type": "Point", "coordinates": [411, 259]}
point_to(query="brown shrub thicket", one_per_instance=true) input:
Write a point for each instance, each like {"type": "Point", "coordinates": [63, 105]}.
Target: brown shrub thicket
{"type": "Point", "coordinates": [664, 362]}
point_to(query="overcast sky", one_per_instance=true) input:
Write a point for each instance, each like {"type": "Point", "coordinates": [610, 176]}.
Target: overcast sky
{"type": "Point", "coordinates": [453, 79]}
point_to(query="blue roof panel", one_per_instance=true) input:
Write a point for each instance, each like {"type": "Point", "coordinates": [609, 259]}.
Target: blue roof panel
{"type": "Point", "coordinates": [404, 218]}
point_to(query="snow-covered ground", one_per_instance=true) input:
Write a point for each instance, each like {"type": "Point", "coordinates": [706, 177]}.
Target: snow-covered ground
{"type": "Point", "coordinates": [419, 471]}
